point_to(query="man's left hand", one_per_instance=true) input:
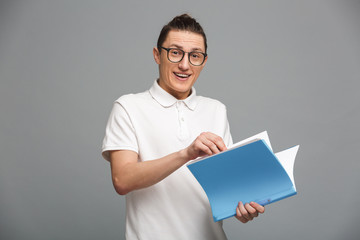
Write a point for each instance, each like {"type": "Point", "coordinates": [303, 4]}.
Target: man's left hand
{"type": "Point", "coordinates": [249, 211]}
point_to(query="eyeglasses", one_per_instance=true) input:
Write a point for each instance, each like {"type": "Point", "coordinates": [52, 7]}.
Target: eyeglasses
{"type": "Point", "coordinates": [175, 55]}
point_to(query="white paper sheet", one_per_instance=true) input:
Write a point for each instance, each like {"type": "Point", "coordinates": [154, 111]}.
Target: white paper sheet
{"type": "Point", "coordinates": [287, 160]}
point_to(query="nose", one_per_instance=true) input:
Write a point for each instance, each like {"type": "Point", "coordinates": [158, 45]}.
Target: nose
{"type": "Point", "coordinates": [184, 64]}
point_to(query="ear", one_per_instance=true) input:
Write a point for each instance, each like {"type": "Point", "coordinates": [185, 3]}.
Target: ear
{"type": "Point", "coordinates": [206, 58]}
{"type": "Point", "coordinates": [156, 54]}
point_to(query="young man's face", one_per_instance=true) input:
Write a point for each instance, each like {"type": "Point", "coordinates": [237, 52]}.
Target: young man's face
{"type": "Point", "coordinates": [178, 78]}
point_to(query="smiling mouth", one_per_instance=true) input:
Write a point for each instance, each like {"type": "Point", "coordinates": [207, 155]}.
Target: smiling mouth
{"type": "Point", "coordinates": [181, 75]}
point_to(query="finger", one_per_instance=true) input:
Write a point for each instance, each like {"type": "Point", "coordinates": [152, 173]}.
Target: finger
{"type": "Point", "coordinates": [218, 141]}
{"type": "Point", "coordinates": [258, 207]}
{"type": "Point", "coordinates": [212, 146]}
{"type": "Point", "coordinates": [240, 217]}
{"type": "Point", "coordinates": [203, 148]}
{"type": "Point", "coordinates": [244, 212]}
{"type": "Point", "coordinates": [252, 211]}
{"type": "Point", "coordinates": [207, 141]}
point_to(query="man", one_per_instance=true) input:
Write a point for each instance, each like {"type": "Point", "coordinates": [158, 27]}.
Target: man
{"type": "Point", "coordinates": [151, 135]}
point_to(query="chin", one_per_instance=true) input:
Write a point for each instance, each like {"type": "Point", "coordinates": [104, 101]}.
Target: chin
{"type": "Point", "coordinates": [182, 88]}
{"type": "Point", "coordinates": [184, 84]}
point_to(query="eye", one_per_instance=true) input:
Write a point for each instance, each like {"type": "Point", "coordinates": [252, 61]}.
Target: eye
{"type": "Point", "coordinates": [175, 52]}
{"type": "Point", "coordinates": [195, 55]}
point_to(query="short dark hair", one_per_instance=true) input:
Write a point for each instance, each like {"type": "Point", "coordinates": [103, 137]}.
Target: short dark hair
{"type": "Point", "coordinates": [182, 22]}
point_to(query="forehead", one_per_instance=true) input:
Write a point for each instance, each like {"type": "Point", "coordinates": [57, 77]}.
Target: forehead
{"type": "Point", "coordinates": [185, 39]}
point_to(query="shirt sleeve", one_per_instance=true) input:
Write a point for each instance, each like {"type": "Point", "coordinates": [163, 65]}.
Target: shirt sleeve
{"type": "Point", "coordinates": [227, 135]}
{"type": "Point", "coordinates": [120, 133]}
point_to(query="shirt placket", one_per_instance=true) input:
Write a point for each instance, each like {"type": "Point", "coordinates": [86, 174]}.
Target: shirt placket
{"type": "Point", "coordinates": [183, 132]}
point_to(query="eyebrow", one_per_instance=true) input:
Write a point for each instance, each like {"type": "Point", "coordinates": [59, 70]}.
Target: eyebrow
{"type": "Point", "coordinates": [180, 47]}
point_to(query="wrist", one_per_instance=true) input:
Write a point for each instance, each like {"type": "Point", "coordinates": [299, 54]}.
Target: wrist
{"type": "Point", "coordinates": [183, 155]}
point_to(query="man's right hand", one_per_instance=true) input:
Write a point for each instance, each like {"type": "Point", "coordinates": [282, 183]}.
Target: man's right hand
{"type": "Point", "coordinates": [206, 143]}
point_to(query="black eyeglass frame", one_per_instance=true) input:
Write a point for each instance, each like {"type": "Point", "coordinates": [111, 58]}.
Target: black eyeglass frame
{"type": "Point", "coordinates": [168, 50]}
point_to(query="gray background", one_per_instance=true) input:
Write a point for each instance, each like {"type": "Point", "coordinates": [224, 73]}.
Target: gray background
{"type": "Point", "coordinates": [288, 67]}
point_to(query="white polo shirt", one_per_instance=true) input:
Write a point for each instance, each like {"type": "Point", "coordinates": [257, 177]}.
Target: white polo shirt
{"type": "Point", "coordinates": [155, 124]}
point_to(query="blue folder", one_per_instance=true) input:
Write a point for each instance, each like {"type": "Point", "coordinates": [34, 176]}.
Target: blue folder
{"type": "Point", "coordinates": [246, 173]}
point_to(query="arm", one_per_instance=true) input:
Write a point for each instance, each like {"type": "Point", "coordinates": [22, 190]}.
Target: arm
{"type": "Point", "coordinates": [128, 174]}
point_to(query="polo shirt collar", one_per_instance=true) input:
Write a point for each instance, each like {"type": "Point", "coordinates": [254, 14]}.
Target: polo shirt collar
{"type": "Point", "coordinates": [165, 99]}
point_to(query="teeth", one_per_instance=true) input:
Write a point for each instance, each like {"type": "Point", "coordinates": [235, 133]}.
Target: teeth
{"type": "Point", "coordinates": [182, 75]}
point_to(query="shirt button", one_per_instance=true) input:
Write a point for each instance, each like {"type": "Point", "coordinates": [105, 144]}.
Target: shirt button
{"type": "Point", "coordinates": [182, 119]}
